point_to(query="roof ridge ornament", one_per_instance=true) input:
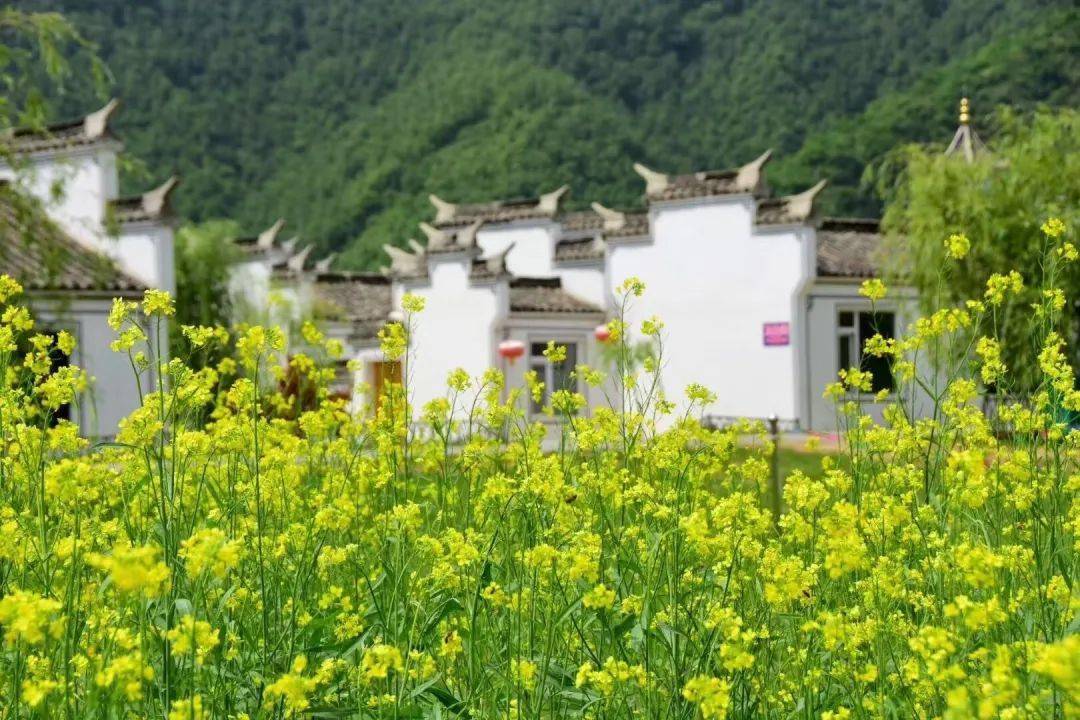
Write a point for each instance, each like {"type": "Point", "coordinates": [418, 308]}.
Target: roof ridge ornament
{"type": "Point", "coordinates": [801, 206]}
{"type": "Point", "coordinates": [655, 182]}
{"type": "Point", "coordinates": [496, 264]}
{"type": "Point", "coordinates": [269, 235]}
{"type": "Point", "coordinates": [749, 175]}
{"type": "Point", "coordinates": [296, 262]}
{"type": "Point", "coordinates": [613, 219]}
{"type": "Point", "coordinates": [466, 237]}
{"type": "Point", "coordinates": [323, 264]}
{"type": "Point", "coordinates": [156, 201]}
{"type": "Point", "coordinates": [437, 239]}
{"type": "Point", "coordinates": [96, 124]}
{"type": "Point", "coordinates": [549, 202]}
{"type": "Point", "coordinates": [290, 244]}
{"type": "Point", "coordinates": [444, 211]}
{"type": "Point", "coordinates": [403, 262]}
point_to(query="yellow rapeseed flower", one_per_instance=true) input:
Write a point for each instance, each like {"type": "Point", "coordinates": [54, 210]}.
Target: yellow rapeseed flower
{"type": "Point", "coordinates": [210, 551]}
{"type": "Point", "coordinates": [380, 660]}
{"type": "Point", "coordinates": [873, 289]}
{"type": "Point", "coordinates": [600, 597]}
{"type": "Point", "coordinates": [158, 303]}
{"type": "Point", "coordinates": [1054, 228]}
{"type": "Point", "coordinates": [193, 637]}
{"type": "Point", "coordinates": [710, 694]}
{"type": "Point", "coordinates": [29, 618]}
{"type": "Point", "coordinates": [134, 569]}
{"type": "Point", "coordinates": [957, 246]}
{"type": "Point", "coordinates": [292, 688]}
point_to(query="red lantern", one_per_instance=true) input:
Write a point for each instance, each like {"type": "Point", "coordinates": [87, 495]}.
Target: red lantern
{"type": "Point", "coordinates": [602, 333]}
{"type": "Point", "coordinates": [511, 350]}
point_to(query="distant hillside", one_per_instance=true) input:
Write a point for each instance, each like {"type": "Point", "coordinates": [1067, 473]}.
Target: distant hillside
{"type": "Point", "coordinates": [341, 115]}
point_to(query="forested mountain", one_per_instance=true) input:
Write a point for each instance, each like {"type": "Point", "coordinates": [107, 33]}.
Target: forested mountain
{"type": "Point", "coordinates": [341, 115]}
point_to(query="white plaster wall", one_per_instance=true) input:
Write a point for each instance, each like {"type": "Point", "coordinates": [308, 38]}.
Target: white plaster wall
{"type": "Point", "coordinates": [75, 187]}
{"type": "Point", "coordinates": [146, 251]}
{"type": "Point", "coordinates": [534, 246]}
{"type": "Point", "coordinates": [533, 256]}
{"type": "Point", "coordinates": [456, 328]}
{"type": "Point", "coordinates": [824, 301]}
{"type": "Point", "coordinates": [113, 392]}
{"type": "Point", "coordinates": [258, 298]}
{"type": "Point", "coordinates": [714, 284]}
{"type": "Point", "coordinates": [588, 282]}
{"type": "Point", "coordinates": [290, 304]}
{"type": "Point", "coordinates": [87, 179]}
{"type": "Point", "coordinates": [249, 290]}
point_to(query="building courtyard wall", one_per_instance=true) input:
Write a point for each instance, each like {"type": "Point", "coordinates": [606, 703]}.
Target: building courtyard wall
{"type": "Point", "coordinates": [714, 284]}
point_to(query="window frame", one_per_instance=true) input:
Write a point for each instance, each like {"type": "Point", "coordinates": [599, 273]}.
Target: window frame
{"type": "Point", "coordinates": [536, 411]}
{"type": "Point", "coordinates": [856, 342]}
{"type": "Point", "coordinates": [48, 323]}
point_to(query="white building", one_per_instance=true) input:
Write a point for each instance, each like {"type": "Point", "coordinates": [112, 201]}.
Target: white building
{"type": "Point", "coordinates": [758, 295]}
{"type": "Point", "coordinates": [473, 304]}
{"type": "Point", "coordinates": [82, 246]}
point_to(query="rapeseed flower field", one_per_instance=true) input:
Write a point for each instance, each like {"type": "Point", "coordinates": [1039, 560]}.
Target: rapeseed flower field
{"type": "Point", "coordinates": [238, 553]}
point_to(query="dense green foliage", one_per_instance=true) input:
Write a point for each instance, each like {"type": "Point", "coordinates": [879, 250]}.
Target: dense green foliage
{"type": "Point", "coordinates": [203, 254]}
{"type": "Point", "coordinates": [40, 54]}
{"type": "Point", "coordinates": [35, 54]}
{"type": "Point", "coordinates": [342, 115]}
{"type": "Point", "coordinates": [998, 201]}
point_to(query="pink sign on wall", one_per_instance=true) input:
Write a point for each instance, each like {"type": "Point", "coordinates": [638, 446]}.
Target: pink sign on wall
{"type": "Point", "coordinates": [776, 333]}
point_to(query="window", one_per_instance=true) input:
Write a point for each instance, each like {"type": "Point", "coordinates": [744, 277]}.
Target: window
{"type": "Point", "coordinates": [555, 376]}
{"type": "Point", "coordinates": [57, 360]}
{"type": "Point", "coordinates": [853, 329]}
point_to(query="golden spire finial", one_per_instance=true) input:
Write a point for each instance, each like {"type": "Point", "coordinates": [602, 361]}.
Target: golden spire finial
{"type": "Point", "coordinates": [965, 114]}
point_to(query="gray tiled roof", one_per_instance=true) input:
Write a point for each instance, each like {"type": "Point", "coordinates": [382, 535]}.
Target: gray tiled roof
{"type": "Point", "coordinates": [264, 241]}
{"type": "Point", "coordinates": [702, 184]}
{"type": "Point", "coordinates": [482, 269]}
{"type": "Point", "coordinates": [636, 224]}
{"type": "Point", "coordinates": [495, 212]}
{"type": "Point", "coordinates": [790, 209]}
{"type": "Point", "coordinates": [748, 178]}
{"type": "Point", "coordinates": [546, 295]}
{"type": "Point", "coordinates": [129, 209]}
{"type": "Point", "coordinates": [611, 223]}
{"type": "Point", "coordinates": [363, 299]}
{"type": "Point", "coordinates": [41, 256]}
{"type": "Point", "coordinates": [500, 211]}
{"type": "Point", "coordinates": [848, 248]}
{"type": "Point", "coordinates": [151, 205]}
{"type": "Point", "coordinates": [492, 267]}
{"type": "Point", "coordinates": [453, 239]}
{"type": "Point", "coordinates": [72, 133]}
{"type": "Point", "coordinates": [773, 211]}
{"type": "Point", "coordinates": [581, 221]}
{"type": "Point", "coordinates": [579, 249]}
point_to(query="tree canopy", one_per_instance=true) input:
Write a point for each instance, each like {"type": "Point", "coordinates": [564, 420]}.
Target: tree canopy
{"type": "Point", "coordinates": [1030, 173]}
{"type": "Point", "coordinates": [342, 115]}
